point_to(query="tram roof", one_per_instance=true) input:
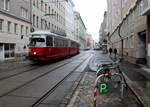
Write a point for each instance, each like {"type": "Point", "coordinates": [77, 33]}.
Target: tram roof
{"type": "Point", "coordinates": [43, 32]}
{"type": "Point", "coordinates": [50, 33]}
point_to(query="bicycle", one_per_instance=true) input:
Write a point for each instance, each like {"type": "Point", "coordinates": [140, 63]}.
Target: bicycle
{"type": "Point", "coordinates": [109, 73]}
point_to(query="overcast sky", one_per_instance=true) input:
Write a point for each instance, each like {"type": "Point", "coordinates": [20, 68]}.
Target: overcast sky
{"type": "Point", "coordinates": [92, 12]}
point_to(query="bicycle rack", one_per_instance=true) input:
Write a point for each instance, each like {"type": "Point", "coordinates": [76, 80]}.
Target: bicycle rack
{"type": "Point", "coordinates": [106, 75]}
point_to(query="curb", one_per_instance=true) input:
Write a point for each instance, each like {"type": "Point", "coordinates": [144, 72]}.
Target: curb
{"type": "Point", "coordinates": [68, 97]}
{"type": "Point", "coordinates": [71, 92]}
{"type": "Point", "coordinates": [130, 85]}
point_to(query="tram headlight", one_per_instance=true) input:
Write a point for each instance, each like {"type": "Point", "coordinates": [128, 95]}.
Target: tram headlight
{"type": "Point", "coordinates": [34, 53]}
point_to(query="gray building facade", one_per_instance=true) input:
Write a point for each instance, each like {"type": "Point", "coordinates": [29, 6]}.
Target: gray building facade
{"type": "Point", "coordinates": [80, 30]}
{"type": "Point", "coordinates": [48, 15]}
{"type": "Point", "coordinates": [14, 28]}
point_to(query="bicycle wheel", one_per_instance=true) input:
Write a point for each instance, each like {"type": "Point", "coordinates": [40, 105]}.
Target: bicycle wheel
{"type": "Point", "coordinates": [116, 80]}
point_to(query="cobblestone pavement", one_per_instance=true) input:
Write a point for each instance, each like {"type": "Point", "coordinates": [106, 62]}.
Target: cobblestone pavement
{"type": "Point", "coordinates": [84, 95]}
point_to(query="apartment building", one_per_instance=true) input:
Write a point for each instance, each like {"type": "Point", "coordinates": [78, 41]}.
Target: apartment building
{"type": "Point", "coordinates": [89, 41]}
{"type": "Point", "coordinates": [48, 15]}
{"type": "Point", "coordinates": [129, 35]}
{"type": "Point", "coordinates": [117, 10]}
{"type": "Point", "coordinates": [69, 19]}
{"type": "Point", "coordinates": [103, 31]}
{"type": "Point", "coordinates": [80, 30]}
{"type": "Point", "coordinates": [14, 28]}
{"type": "Point", "coordinates": [146, 12]}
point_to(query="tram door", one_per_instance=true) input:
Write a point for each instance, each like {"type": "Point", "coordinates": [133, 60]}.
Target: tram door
{"type": "Point", "coordinates": [1, 51]}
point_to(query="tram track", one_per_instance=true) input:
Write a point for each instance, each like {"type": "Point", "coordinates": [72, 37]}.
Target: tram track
{"type": "Point", "coordinates": [24, 71]}
{"type": "Point", "coordinates": [33, 79]}
{"type": "Point", "coordinates": [41, 99]}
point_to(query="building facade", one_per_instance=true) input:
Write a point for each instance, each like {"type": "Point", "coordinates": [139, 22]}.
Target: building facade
{"type": "Point", "coordinates": [48, 15]}
{"type": "Point", "coordinates": [80, 30]}
{"type": "Point", "coordinates": [89, 41]}
{"type": "Point", "coordinates": [103, 31]}
{"type": "Point", "coordinates": [130, 35]}
{"type": "Point", "coordinates": [69, 19]}
{"type": "Point", "coordinates": [117, 10]}
{"type": "Point", "coordinates": [14, 28]}
{"type": "Point", "coordinates": [146, 12]}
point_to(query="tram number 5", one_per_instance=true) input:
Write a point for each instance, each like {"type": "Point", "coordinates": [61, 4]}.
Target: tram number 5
{"type": "Point", "coordinates": [104, 88]}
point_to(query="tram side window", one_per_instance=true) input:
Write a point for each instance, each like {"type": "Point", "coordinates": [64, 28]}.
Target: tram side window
{"type": "Point", "coordinates": [65, 43]}
{"type": "Point", "coordinates": [57, 42]}
{"type": "Point", "coordinates": [73, 44]}
{"type": "Point", "coordinates": [49, 41]}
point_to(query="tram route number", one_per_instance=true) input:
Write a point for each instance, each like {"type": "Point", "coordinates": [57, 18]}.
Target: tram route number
{"type": "Point", "coordinates": [103, 88]}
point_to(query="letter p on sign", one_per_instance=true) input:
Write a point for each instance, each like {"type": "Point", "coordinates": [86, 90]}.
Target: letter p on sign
{"type": "Point", "coordinates": [104, 88]}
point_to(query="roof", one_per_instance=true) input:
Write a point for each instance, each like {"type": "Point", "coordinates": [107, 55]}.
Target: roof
{"type": "Point", "coordinates": [49, 33]}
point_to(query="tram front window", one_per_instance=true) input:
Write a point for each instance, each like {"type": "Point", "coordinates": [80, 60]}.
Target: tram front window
{"type": "Point", "coordinates": [37, 42]}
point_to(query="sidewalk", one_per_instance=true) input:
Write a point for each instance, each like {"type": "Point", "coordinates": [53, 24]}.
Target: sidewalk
{"type": "Point", "coordinates": [83, 95]}
{"type": "Point", "coordinates": [138, 79]}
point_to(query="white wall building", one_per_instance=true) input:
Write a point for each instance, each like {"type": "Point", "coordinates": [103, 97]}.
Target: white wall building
{"type": "Point", "coordinates": [49, 15]}
{"type": "Point", "coordinates": [69, 17]}
{"type": "Point", "coordinates": [80, 30]}
{"type": "Point", "coordinates": [14, 27]}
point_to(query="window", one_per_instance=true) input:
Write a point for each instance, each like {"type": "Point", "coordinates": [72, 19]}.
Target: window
{"type": "Point", "coordinates": [26, 30]}
{"type": "Point", "coordinates": [33, 20]}
{"type": "Point", "coordinates": [24, 13]}
{"type": "Point", "coordinates": [15, 28]}
{"type": "Point", "coordinates": [45, 24]}
{"type": "Point", "coordinates": [8, 26]}
{"type": "Point", "coordinates": [49, 10]}
{"type": "Point", "coordinates": [4, 4]}
{"type": "Point", "coordinates": [21, 29]}
{"type": "Point", "coordinates": [37, 2]}
{"type": "Point", "coordinates": [49, 25]}
{"type": "Point", "coordinates": [55, 14]}
{"type": "Point", "coordinates": [49, 41]}
{"type": "Point", "coordinates": [34, 2]}
{"type": "Point", "coordinates": [41, 23]}
{"type": "Point", "coordinates": [45, 8]}
{"type": "Point", "coordinates": [52, 12]}
{"type": "Point", "coordinates": [9, 50]}
{"type": "Point", "coordinates": [37, 42]}
{"type": "Point", "coordinates": [37, 21]}
{"type": "Point", "coordinates": [41, 5]}
{"type": "Point", "coordinates": [1, 24]}
{"type": "Point", "coordinates": [52, 26]}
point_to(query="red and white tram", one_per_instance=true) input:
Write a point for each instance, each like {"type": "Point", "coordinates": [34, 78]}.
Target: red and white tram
{"type": "Point", "coordinates": [46, 46]}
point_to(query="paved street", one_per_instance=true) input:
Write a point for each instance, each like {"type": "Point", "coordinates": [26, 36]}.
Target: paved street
{"type": "Point", "coordinates": [83, 96]}
{"type": "Point", "coordinates": [45, 85]}
{"type": "Point", "coordinates": [70, 82]}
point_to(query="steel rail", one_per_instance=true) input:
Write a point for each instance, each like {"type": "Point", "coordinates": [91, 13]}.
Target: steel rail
{"type": "Point", "coordinates": [56, 86]}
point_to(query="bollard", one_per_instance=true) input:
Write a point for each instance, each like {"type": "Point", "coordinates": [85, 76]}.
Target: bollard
{"type": "Point", "coordinates": [95, 89]}
{"type": "Point", "coordinates": [94, 95]}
